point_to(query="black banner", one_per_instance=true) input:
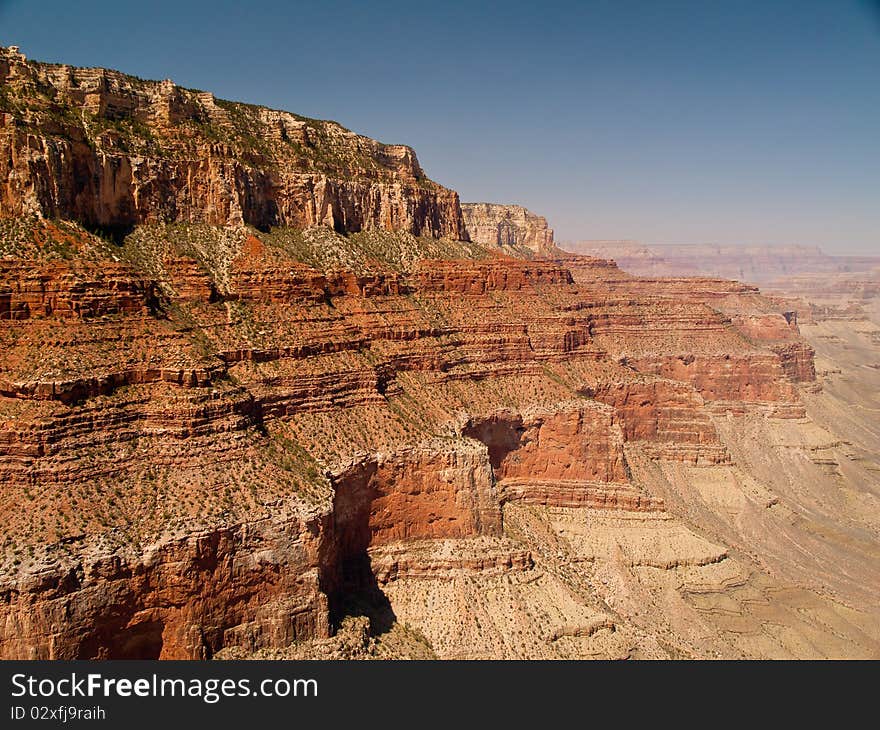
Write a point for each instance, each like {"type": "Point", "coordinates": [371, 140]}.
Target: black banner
{"type": "Point", "coordinates": [134, 694]}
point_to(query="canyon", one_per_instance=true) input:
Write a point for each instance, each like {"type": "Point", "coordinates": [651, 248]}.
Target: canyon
{"type": "Point", "coordinates": [267, 391]}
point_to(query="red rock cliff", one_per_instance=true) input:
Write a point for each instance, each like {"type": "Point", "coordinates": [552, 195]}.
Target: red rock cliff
{"type": "Point", "coordinates": [511, 228]}
{"type": "Point", "coordinates": [111, 150]}
{"type": "Point", "coordinates": [203, 427]}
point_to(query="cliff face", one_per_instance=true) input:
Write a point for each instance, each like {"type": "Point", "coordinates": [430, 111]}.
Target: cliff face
{"type": "Point", "coordinates": [219, 439]}
{"type": "Point", "coordinates": [511, 228]}
{"type": "Point", "coordinates": [182, 597]}
{"type": "Point", "coordinates": [211, 422]}
{"type": "Point", "coordinates": [113, 151]}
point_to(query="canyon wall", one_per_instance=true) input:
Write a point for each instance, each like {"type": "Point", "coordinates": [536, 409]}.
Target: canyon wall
{"type": "Point", "coordinates": [112, 151]}
{"type": "Point", "coordinates": [189, 435]}
{"type": "Point", "coordinates": [511, 228]}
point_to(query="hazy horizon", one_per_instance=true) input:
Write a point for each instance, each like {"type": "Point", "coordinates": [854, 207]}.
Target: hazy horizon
{"type": "Point", "coordinates": [697, 244]}
{"type": "Point", "coordinates": [677, 123]}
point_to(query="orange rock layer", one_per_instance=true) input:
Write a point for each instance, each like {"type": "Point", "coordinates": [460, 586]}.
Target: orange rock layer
{"type": "Point", "coordinates": [217, 455]}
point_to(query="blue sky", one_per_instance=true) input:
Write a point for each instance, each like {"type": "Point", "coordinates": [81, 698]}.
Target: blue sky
{"type": "Point", "coordinates": [750, 121]}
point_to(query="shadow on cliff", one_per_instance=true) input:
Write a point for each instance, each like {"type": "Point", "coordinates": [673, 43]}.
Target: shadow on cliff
{"type": "Point", "coordinates": [116, 232]}
{"type": "Point", "coordinates": [359, 594]}
{"type": "Point", "coordinates": [352, 587]}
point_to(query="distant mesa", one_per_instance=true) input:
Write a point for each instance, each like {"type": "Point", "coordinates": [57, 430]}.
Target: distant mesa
{"type": "Point", "coordinates": [509, 227]}
{"type": "Point", "coordinates": [759, 264]}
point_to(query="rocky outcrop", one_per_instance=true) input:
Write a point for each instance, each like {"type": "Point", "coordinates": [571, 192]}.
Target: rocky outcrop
{"type": "Point", "coordinates": [797, 361]}
{"type": "Point", "coordinates": [449, 559]}
{"type": "Point", "coordinates": [182, 597]}
{"type": "Point", "coordinates": [570, 455]}
{"type": "Point", "coordinates": [668, 415]}
{"type": "Point", "coordinates": [756, 378]}
{"type": "Point", "coordinates": [433, 492]}
{"type": "Point", "coordinates": [479, 277]}
{"type": "Point", "coordinates": [83, 290]}
{"type": "Point", "coordinates": [570, 442]}
{"type": "Point", "coordinates": [511, 228]}
{"type": "Point", "coordinates": [113, 151]}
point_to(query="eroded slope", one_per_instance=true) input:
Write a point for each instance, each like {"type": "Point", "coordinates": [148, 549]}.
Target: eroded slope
{"type": "Point", "coordinates": [215, 438]}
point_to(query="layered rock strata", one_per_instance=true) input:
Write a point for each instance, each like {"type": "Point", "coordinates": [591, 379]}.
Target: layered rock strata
{"type": "Point", "coordinates": [113, 151]}
{"type": "Point", "coordinates": [510, 228]}
{"type": "Point", "coordinates": [216, 438]}
{"type": "Point", "coordinates": [215, 401]}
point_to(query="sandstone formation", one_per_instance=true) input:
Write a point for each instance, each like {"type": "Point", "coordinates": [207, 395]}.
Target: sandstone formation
{"type": "Point", "coordinates": [112, 151]}
{"type": "Point", "coordinates": [222, 441]}
{"type": "Point", "coordinates": [511, 228]}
